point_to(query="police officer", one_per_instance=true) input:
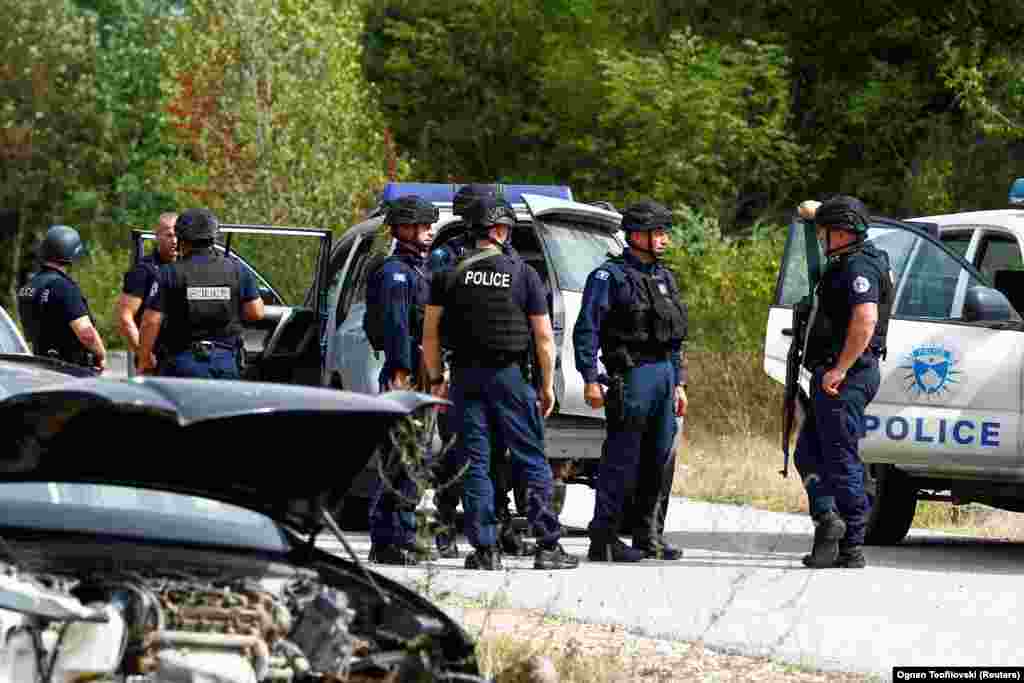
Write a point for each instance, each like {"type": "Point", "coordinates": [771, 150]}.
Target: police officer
{"type": "Point", "coordinates": [139, 280]}
{"type": "Point", "coordinates": [204, 298]}
{"type": "Point", "coordinates": [444, 258]}
{"type": "Point", "coordinates": [53, 311]}
{"type": "Point", "coordinates": [396, 296]}
{"type": "Point", "coordinates": [487, 308]}
{"type": "Point", "coordinates": [631, 310]}
{"type": "Point", "coordinates": [845, 339]}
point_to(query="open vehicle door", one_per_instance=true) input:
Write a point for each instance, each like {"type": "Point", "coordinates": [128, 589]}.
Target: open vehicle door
{"type": "Point", "coordinates": [576, 238]}
{"type": "Point", "coordinates": [286, 345]}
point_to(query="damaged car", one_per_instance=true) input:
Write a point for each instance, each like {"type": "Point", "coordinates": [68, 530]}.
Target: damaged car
{"type": "Point", "coordinates": [152, 532]}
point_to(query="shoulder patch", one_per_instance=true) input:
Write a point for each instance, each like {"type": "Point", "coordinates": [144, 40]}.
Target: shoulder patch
{"type": "Point", "coordinates": [601, 275]}
{"type": "Point", "coordinates": [861, 284]}
{"type": "Point", "coordinates": [399, 277]}
{"type": "Point", "coordinates": [154, 289]}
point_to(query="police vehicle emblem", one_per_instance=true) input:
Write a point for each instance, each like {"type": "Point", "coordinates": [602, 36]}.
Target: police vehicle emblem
{"type": "Point", "coordinates": [932, 370]}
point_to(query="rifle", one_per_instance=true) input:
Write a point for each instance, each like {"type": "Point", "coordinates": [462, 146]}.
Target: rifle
{"type": "Point", "coordinates": [795, 357]}
{"type": "Point", "coordinates": [794, 360]}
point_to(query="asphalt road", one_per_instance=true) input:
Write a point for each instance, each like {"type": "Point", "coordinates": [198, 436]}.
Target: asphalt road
{"type": "Point", "coordinates": [933, 601]}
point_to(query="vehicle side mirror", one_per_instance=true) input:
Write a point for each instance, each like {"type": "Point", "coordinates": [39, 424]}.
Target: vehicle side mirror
{"type": "Point", "coordinates": [1011, 284]}
{"type": "Point", "coordinates": [986, 304]}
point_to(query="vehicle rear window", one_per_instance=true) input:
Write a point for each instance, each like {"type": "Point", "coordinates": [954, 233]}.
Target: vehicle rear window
{"type": "Point", "coordinates": [576, 250]}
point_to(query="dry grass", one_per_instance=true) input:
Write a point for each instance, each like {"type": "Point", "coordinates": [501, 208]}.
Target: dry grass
{"type": "Point", "coordinates": [732, 454]}
{"type": "Point", "coordinates": [583, 653]}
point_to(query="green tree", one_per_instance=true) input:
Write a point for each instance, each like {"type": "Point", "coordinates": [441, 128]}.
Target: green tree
{"type": "Point", "coordinates": [54, 138]}
{"type": "Point", "coordinates": [702, 123]}
{"type": "Point", "coordinates": [274, 119]}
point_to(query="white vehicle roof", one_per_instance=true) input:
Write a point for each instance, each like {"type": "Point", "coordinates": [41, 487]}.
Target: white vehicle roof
{"type": "Point", "coordinates": [1011, 219]}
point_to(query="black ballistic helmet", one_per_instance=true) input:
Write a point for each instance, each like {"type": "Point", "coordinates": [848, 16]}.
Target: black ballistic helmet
{"type": "Point", "coordinates": [468, 193]}
{"type": "Point", "coordinates": [62, 244]}
{"type": "Point", "coordinates": [843, 211]}
{"type": "Point", "coordinates": [410, 210]}
{"type": "Point", "coordinates": [488, 211]}
{"type": "Point", "coordinates": [196, 225]}
{"type": "Point", "coordinates": [646, 215]}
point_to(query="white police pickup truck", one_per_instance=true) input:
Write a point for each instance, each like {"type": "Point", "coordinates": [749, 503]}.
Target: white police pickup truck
{"type": "Point", "coordinates": [946, 424]}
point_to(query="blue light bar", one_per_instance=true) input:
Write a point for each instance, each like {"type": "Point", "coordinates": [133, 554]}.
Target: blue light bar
{"type": "Point", "coordinates": [445, 192]}
{"type": "Point", "coordinates": [1017, 192]}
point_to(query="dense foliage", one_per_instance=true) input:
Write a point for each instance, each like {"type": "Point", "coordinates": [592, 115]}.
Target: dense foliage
{"type": "Point", "coordinates": [295, 112]}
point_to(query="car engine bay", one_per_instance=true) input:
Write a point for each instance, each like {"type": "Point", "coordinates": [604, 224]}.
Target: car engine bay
{"type": "Point", "coordinates": [168, 627]}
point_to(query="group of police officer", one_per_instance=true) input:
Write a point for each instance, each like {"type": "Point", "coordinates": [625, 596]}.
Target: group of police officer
{"type": "Point", "coordinates": [468, 322]}
{"type": "Point", "coordinates": [179, 315]}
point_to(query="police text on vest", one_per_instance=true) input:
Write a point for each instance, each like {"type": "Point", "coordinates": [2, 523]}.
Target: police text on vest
{"type": "Point", "coordinates": [208, 294]}
{"type": "Point", "coordinates": [488, 278]}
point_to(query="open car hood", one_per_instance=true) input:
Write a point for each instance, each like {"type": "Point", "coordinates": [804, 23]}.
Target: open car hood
{"type": "Point", "coordinates": [281, 450]}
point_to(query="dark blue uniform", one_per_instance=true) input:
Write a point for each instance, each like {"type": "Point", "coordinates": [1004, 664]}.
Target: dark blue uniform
{"type": "Point", "coordinates": [167, 296]}
{"type": "Point", "coordinates": [441, 259]}
{"type": "Point", "coordinates": [485, 324]}
{"type": "Point", "coordinates": [139, 280]}
{"type": "Point", "coordinates": [47, 304]}
{"type": "Point", "coordinates": [827, 448]}
{"type": "Point", "coordinates": [397, 291]}
{"type": "Point", "coordinates": [638, 457]}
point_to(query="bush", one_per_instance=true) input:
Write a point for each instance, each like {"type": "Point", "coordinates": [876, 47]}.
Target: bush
{"type": "Point", "coordinates": [728, 285]}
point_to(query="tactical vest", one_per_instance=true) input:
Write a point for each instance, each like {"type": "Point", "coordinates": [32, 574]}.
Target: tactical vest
{"type": "Point", "coordinates": [204, 305]}
{"type": "Point", "coordinates": [652, 323]}
{"type": "Point", "coordinates": [48, 337]}
{"type": "Point", "coordinates": [373, 317]}
{"type": "Point", "coordinates": [482, 319]}
{"type": "Point", "coordinates": [826, 335]}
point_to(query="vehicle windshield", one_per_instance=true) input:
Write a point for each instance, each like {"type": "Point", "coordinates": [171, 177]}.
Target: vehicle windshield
{"type": "Point", "coordinates": [576, 251]}
{"type": "Point", "coordinates": [139, 513]}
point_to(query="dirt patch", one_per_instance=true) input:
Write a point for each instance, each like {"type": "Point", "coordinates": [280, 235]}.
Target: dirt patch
{"type": "Point", "coordinates": [586, 652]}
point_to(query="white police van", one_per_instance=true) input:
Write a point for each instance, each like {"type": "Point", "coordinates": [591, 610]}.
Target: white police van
{"type": "Point", "coordinates": [563, 239]}
{"type": "Point", "coordinates": [946, 424]}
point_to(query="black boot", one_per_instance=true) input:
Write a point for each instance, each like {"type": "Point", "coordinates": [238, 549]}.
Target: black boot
{"type": "Point", "coordinates": [829, 528]}
{"type": "Point", "coordinates": [514, 543]}
{"type": "Point", "coordinates": [612, 549]}
{"type": "Point", "coordinates": [488, 559]}
{"type": "Point", "coordinates": [657, 549]}
{"type": "Point", "coordinates": [554, 558]}
{"type": "Point", "coordinates": [851, 557]}
{"type": "Point", "coordinates": [446, 545]}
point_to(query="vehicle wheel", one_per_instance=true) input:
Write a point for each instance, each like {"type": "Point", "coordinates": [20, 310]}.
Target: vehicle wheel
{"type": "Point", "coordinates": [893, 503]}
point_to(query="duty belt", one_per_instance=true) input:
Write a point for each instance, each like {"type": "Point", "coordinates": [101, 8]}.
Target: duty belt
{"type": "Point", "coordinates": [646, 357]}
